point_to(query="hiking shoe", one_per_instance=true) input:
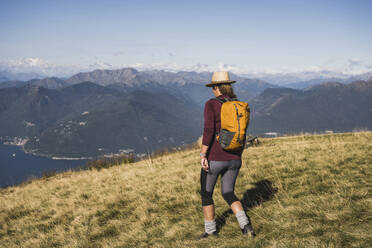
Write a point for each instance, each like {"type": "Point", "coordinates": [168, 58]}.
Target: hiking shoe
{"type": "Point", "coordinates": [206, 235]}
{"type": "Point", "coordinates": [248, 230]}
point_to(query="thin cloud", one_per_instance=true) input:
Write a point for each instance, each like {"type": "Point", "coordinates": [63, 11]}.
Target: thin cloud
{"type": "Point", "coordinates": [228, 67]}
{"type": "Point", "coordinates": [119, 53]}
{"type": "Point", "coordinates": [354, 62]}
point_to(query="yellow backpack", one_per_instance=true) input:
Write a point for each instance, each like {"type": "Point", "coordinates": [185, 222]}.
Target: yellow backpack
{"type": "Point", "coordinates": [234, 123]}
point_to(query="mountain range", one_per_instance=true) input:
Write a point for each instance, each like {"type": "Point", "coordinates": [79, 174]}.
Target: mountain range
{"type": "Point", "coordinates": [304, 79]}
{"type": "Point", "coordinates": [330, 106]}
{"type": "Point", "coordinates": [108, 111]}
{"type": "Point", "coordinates": [87, 119]}
{"type": "Point", "coordinates": [23, 76]}
{"type": "Point", "coordinates": [186, 84]}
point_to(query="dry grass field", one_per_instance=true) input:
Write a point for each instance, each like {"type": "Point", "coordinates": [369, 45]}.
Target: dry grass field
{"type": "Point", "coordinates": [300, 191]}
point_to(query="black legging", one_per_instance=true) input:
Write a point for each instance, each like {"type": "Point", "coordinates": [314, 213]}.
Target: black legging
{"type": "Point", "coordinates": [229, 171]}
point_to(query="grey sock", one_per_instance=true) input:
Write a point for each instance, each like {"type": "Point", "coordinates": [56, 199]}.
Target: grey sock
{"type": "Point", "coordinates": [210, 226]}
{"type": "Point", "coordinates": [242, 219]}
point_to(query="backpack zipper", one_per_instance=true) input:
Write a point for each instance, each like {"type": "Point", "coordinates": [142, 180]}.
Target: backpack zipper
{"type": "Point", "coordinates": [238, 117]}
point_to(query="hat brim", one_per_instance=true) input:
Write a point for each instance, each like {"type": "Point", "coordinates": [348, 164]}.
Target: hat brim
{"type": "Point", "coordinates": [221, 82]}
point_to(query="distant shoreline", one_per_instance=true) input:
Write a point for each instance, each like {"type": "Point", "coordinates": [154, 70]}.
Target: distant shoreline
{"type": "Point", "coordinates": [66, 158]}
{"type": "Point", "coordinates": [54, 157]}
{"type": "Point", "coordinates": [22, 144]}
{"type": "Point", "coordinates": [51, 156]}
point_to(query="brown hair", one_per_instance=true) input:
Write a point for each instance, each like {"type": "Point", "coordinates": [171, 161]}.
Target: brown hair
{"type": "Point", "coordinates": [227, 89]}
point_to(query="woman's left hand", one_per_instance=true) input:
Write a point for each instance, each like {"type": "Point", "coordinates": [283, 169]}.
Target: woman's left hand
{"type": "Point", "coordinates": [204, 163]}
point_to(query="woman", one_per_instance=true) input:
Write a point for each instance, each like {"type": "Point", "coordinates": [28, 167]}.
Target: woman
{"type": "Point", "coordinates": [215, 161]}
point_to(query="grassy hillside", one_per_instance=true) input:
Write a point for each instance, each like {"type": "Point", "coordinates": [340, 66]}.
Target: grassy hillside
{"type": "Point", "coordinates": [300, 191]}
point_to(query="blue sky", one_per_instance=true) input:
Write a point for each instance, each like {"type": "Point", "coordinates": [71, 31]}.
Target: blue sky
{"type": "Point", "coordinates": [248, 35]}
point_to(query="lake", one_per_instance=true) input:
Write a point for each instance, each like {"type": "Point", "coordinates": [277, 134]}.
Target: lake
{"type": "Point", "coordinates": [17, 166]}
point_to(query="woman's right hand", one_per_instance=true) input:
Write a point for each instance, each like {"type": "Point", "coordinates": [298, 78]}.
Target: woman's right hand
{"type": "Point", "coordinates": [204, 164]}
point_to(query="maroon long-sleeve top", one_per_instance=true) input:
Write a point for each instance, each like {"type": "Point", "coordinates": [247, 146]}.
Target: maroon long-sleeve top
{"type": "Point", "coordinates": [212, 124]}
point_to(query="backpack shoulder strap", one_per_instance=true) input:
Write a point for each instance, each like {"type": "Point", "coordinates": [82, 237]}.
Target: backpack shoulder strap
{"type": "Point", "coordinates": [221, 100]}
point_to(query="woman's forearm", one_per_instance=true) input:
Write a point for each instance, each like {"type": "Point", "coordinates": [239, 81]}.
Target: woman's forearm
{"type": "Point", "coordinates": [204, 149]}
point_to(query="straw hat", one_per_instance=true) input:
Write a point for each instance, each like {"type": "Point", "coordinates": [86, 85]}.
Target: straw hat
{"type": "Point", "coordinates": [220, 77]}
